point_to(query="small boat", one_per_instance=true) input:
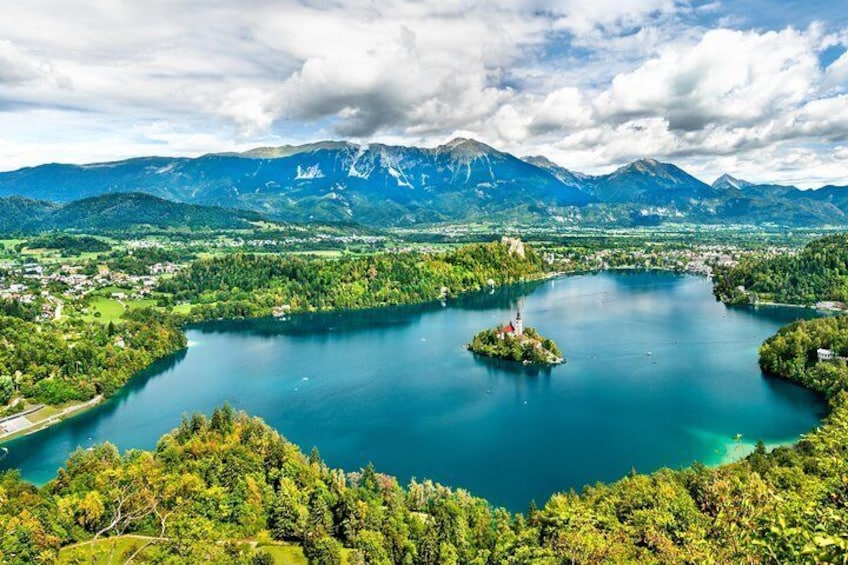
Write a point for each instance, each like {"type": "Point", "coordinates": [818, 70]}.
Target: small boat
{"type": "Point", "coordinates": [4, 451]}
{"type": "Point", "coordinates": [737, 437]}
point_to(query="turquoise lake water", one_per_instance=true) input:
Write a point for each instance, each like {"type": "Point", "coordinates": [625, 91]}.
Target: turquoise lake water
{"type": "Point", "coordinates": [658, 374]}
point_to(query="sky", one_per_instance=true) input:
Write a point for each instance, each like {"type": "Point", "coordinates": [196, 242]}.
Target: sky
{"type": "Point", "coordinates": [754, 88]}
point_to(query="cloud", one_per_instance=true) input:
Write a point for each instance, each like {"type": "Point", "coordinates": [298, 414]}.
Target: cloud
{"type": "Point", "coordinates": [18, 68]}
{"type": "Point", "coordinates": [825, 118]}
{"type": "Point", "coordinates": [591, 83]}
{"type": "Point", "coordinates": [591, 16]}
{"type": "Point", "coordinates": [730, 77]}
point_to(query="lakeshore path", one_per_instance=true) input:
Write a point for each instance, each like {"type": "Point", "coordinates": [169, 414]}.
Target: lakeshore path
{"type": "Point", "coordinates": [28, 422]}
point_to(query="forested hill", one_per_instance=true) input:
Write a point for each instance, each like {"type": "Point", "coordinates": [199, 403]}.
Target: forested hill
{"type": "Point", "coordinates": [251, 285]}
{"type": "Point", "coordinates": [819, 272]}
{"type": "Point", "coordinates": [116, 212]}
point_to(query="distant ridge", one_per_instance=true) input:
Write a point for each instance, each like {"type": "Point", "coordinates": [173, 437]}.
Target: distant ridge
{"type": "Point", "coordinates": [114, 212]}
{"type": "Point", "coordinates": [462, 180]}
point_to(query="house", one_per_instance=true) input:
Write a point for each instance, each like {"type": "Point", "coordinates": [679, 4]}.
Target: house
{"type": "Point", "coordinates": [828, 355]}
{"type": "Point", "coordinates": [824, 354]}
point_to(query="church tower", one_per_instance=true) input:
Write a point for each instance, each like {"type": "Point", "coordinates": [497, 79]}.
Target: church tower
{"type": "Point", "coordinates": [518, 324]}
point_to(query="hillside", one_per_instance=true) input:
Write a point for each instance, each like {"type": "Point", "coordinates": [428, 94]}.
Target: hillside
{"type": "Point", "coordinates": [463, 180]}
{"type": "Point", "coordinates": [819, 272]}
{"type": "Point", "coordinates": [115, 212]}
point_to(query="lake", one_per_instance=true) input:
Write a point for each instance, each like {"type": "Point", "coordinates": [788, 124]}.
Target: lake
{"type": "Point", "coordinates": [658, 374]}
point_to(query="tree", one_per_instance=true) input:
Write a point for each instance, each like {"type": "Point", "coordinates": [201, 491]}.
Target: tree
{"type": "Point", "coordinates": [7, 389]}
{"type": "Point", "coordinates": [288, 516]}
{"type": "Point", "coordinates": [262, 558]}
{"type": "Point", "coordinates": [323, 551]}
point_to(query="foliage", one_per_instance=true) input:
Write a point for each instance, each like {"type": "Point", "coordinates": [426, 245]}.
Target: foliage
{"type": "Point", "coordinates": [791, 354]}
{"type": "Point", "coordinates": [251, 285]}
{"type": "Point", "coordinates": [230, 477]}
{"type": "Point", "coordinates": [75, 360]}
{"type": "Point", "coordinates": [7, 389]}
{"type": "Point", "coordinates": [818, 272]}
{"type": "Point", "coordinates": [18, 309]}
{"type": "Point", "coordinates": [68, 244]}
{"type": "Point", "coordinates": [531, 348]}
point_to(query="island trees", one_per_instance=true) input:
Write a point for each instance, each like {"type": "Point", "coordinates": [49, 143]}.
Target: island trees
{"type": "Point", "coordinates": [527, 347]}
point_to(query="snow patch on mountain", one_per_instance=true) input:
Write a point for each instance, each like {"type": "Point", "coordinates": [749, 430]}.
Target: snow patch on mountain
{"type": "Point", "coordinates": [311, 172]}
{"type": "Point", "coordinates": [399, 177]}
{"type": "Point", "coordinates": [365, 172]}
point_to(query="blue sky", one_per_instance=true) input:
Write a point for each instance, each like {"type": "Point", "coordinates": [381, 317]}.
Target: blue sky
{"type": "Point", "coordinates": [754, 88]}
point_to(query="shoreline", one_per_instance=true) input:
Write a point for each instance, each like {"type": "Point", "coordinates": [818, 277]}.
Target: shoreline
{"type": "Point", "coordinates": [742, 449]}
{"type": "Point", "coordinates": [77, 408]}
{"type": "Point", "coordinates": [770, 304]}
{"type": "Point", "coordinates": [28, 427]}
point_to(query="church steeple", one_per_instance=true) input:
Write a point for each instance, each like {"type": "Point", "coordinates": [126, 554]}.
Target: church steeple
{"type": "Point", "coordinates": [518, 324]}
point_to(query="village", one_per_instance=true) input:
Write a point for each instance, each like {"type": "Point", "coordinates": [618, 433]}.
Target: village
{"type": "Point", "coordinates": [43, 282]}
{"type": "Point", "coordinates": [50, 287]}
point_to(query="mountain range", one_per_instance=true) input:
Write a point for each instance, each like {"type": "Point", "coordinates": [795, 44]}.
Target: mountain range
{"type": "Point", "coordinates": [463, 180]}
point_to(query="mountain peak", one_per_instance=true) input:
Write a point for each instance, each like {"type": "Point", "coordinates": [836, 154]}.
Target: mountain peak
{"type": "Point", "coordinates": [566, 176]}
{"type": "Point", "coordinates": [727, 181]}
{"type": "Point", "coordinates": [644, 165]}
{"type": "Point", "coordinates": [466, 145]}
{"type": "Point", "coordinates": [540, 161]}
{"type": "Point", "coordinates": [289, 150]}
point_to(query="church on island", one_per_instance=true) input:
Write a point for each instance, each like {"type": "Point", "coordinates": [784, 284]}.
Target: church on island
{"type": "Point", "coordinates": [514, 328]}
{"type": "Point", "coordinates": [514, 342]}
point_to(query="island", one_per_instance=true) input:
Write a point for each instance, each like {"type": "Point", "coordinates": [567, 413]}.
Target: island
{"type": "Point", "coordinates": [514, 342]}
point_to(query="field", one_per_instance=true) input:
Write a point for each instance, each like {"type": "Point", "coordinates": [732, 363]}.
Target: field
{"type": "Point", "coordinates": [111, 309]}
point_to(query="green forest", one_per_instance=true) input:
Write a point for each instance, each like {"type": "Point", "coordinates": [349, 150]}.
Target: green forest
{"type": "Point", "coordinates": [818, 272]}
{"type": "Point", "coordinates": [76, 360]}
{"type": "Point", "coordinates": [244, 285]}
{"type": "Point", "coordinates": [791, 354]}
{"type": "Point", "coordinates": [67, 244]}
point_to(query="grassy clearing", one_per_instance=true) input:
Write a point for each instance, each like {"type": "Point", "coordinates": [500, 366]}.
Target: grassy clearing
{"type": "Point", "coordinates": [110, 551]}
{"type": "Point", "coordinates": [114, 550]}
{"type": "Point", "coordinates": [10, 243]}
{"type": "Point", "coordinates": [286, 554]}
{"type": "Point", "coordinates": [46, 412]}
{"type": "Point", "coordinates": [182, 309]}
{"type": "Point", "coordinates": [111, 309]}
{"type": "Point", "coordinates": [142, 303]}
